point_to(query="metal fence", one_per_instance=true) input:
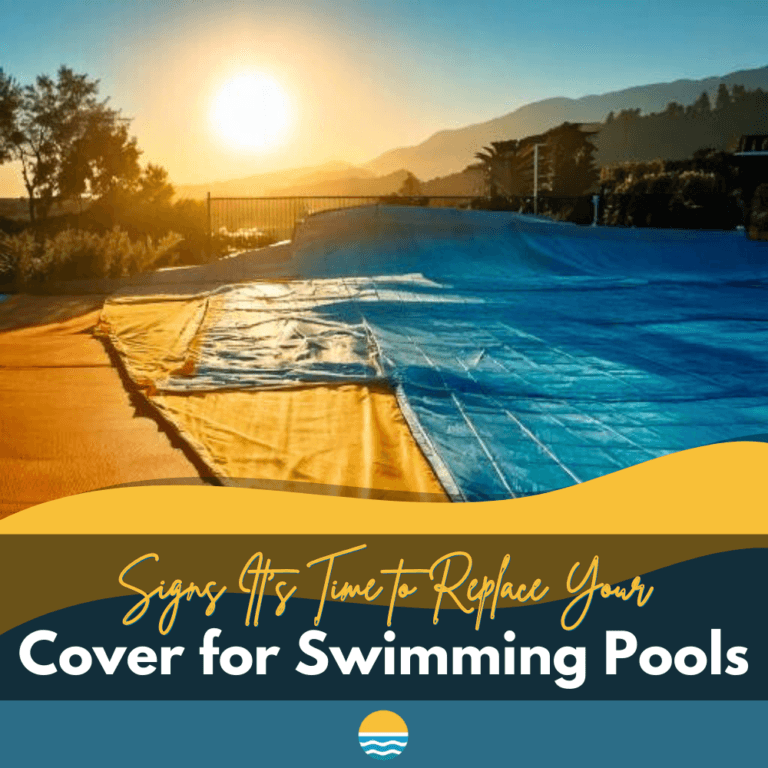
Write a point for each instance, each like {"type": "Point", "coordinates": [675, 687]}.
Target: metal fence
{"type": "Point", "coordinates": [235, 223]}
{"type": "Point", "coordinates": [250, 222]}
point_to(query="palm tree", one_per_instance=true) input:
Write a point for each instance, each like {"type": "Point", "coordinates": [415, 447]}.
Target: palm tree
{"type": "Point", "coordinates": [488, 157]}
{"type": "Point", "coordinates": [494, 159]}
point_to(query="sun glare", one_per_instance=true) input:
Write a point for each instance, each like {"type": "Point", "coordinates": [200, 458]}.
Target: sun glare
{"type": "Point", "coordinates": [250, 111]}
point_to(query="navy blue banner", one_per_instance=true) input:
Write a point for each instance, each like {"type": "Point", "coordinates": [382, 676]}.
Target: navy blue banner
{"type": "Point", "coordinates": [701, 635]}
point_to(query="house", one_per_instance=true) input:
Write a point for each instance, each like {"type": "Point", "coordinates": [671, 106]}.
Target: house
{"type": "Point", "coordinates": [751, 158]}
{"type": "Point", "coordinates": [565, 163]}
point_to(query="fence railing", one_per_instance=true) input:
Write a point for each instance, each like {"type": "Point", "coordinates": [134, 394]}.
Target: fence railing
{"type": "Point", "coordinates": [235, 223]}
{"type": "Point", "coordinates": [251, 222]}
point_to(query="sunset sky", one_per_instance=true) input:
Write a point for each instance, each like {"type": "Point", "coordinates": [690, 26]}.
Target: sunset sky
{"type": "Point", "coordinates": [356, 77]}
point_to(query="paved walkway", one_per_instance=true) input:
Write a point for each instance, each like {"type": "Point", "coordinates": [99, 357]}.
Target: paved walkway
{"type": "Point", "coordinates": [67, 424]}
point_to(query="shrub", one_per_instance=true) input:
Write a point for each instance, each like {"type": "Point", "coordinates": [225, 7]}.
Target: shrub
{"type": "Point", "coordinates": [140, 218]}
{"type": "Point", "coordinates": [664, 194]}
{"type": "Point", "coordinates": [758, 219]}
{"type": "Point", "coordinates": [79, 254]}
{"type": "Point", "coordinates": [225, 242]}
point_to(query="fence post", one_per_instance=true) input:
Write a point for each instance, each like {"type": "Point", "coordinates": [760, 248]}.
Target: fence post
{"type": "Point", "coordinates": [208, 229]}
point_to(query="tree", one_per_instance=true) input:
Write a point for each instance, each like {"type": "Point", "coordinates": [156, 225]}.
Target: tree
{"type": "Point", "coordinates": [674, 110]}
{"type": "Point", "coordinates": [10, 100]}
{"type": "Point", "coordinates": [702, 105]}
{"type": "Point", "coordinates": [500, 167]}
{"type": "Point", "coordinates": [572, 164]}
{"type": "Point", "coordinates": [410, 187]}
{"type": "Point", "coordinates": [723, 100]}
{"type": "Point", "coordinates": [67, 142]}
{"type": "Point", "coordinates": [143, 205]}
{"type": "Point", "coordinates": [739, 93]}
{"type": "Point", "coordinates": [489, 158]}
{"type": "Point", "coordinates": [154, 185]}
{"type": "Point", "coordinates": [610, 117]}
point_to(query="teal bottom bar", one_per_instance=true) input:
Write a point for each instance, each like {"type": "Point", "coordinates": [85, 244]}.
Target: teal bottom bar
{"type": "Point", "coordinates": [441, 733]}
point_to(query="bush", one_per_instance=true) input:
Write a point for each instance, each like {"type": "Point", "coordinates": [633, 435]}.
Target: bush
{"type": "Point", "coordinates": [758, 219]}
{"type": "Point", "coordinates": [7, 261]}
{"type": "Point", "coordinates": [225, 242]}
{"type": "Point", "coordinates": [141, 218]}
{"type": "Point", "coordinates": [77, 254]}
{"type": "Point", "coordinates": [660, 194]}
{"type": "Point", "coordinates": [702, 192]}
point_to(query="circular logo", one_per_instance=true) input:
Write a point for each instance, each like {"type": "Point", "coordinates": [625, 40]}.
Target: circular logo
{"type": "Point", "coordinates": [383, 735]}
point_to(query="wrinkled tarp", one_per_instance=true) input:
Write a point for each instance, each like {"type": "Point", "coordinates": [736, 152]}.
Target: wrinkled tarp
{"type": "Point", "coordinates": [346, 439]}
{"type": "Point", "coordinates": [350, 439]}
{"type": "Point", "coordinates": [526, 355]}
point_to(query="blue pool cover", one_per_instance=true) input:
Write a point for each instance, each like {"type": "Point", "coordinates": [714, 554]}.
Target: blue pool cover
{"type": "Point", "coordinates": [527, 355]}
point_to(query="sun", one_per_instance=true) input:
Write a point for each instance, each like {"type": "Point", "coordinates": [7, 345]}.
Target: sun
{"type": "Point", "coordinates": [250, 111]}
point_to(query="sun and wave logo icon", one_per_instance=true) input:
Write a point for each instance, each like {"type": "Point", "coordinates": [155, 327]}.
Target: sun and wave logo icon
{"type": "Point", "coordinates": [383, 735]}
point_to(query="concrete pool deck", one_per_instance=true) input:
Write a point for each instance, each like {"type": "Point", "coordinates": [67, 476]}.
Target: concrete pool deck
{"type": "Point", "coordinates": [67, 423]}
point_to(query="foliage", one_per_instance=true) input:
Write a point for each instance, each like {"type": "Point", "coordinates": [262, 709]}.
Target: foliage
{"type": "Point", "coordinates": [67, 142]}
{"type": "Point", "coordinates": [410, 193]}
{"type": "Point", "coordinates": [702, 105]}
{"type": "Point", "coordinates": [706, 160]}
{"type": "Point", "coordinates": [225, 242]}
{"type": "Point", "coordinates": [77, 254]}
{"type": "Point", "coordinates": [10, 101]}
{"type": "Point", "coordinates": [410, 187]}
{"type": "Point", "coordinates": [571, 162]}
{"type": "Point", "coordinates": [566, 165]}
{"type": "Point", "coordinates": [677, 132]}
{"type": "Point", "coordinates": [758, 220]}
{"type": "Point", "coordinates": [79, 162]}
{"type": "Point", "coordinates": [492, 158]}
{"type": "Point", "coordinates": [147, 207]}
{"type": "Point", "coordinates": [697, 193]}
{"type": "Point", "coordinates": [723, 100]}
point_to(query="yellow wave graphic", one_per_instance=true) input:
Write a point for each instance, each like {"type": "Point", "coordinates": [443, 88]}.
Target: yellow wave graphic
{"type": "Point", "coordinates": [716, 489]}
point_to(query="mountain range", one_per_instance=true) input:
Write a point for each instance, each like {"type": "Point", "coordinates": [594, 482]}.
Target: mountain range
{"type": "Point", "coordinates": [273, 183]}
{"type": "Point", "coordinates": [449, 152]}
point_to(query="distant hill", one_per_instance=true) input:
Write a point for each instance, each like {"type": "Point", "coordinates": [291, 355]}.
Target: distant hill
{"type": "Point", "coordinates": [443, 156]}
{"type": "Point", "coordinates": [265, 184]}
{"type": "Point", "coordinates": [679, 132]}
{"type": "Point", "coordinates": [447, 152]}
{"type": "Point", "coordinates": [370, 186]}
{"type": "Point", "coordinates": [470, 182]}
{"type": "Point", "coordinates": [326, 181]}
